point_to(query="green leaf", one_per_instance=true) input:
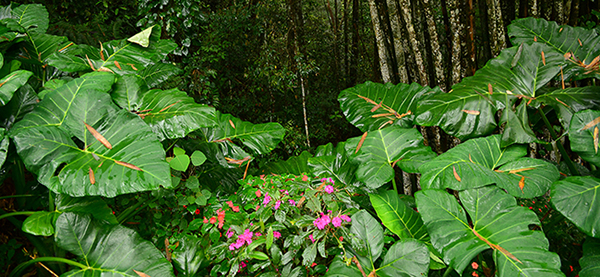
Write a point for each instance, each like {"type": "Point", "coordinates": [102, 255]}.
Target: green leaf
{"type": "Point", "coordinates": [369, 234]}
{"type": "Point", "coordinates": [469, 109]}
{"type": "Point", "coordinates": [590, 262]}
{"type": "Point", "coordinates": [173, 114]}
{"type": "Point", "coordinates": [583, 43]}
{"type": "Point", "coordinates": [259, 256]}
{"type": "Point", "coordinates": [567, 102]}
{"type": "Point", "coordinates": [127, 92]}
{"type": "Point", "coordinates": [259, 138]}
{"type": "Point", "coordinates": [497, 222]}
{"type": "Point", "coordinates": [90, 205]}
{"type": "Point", "coordinates": [269, 238]}
{"type": "Point", "coordinates": [44, 140]}
{"type": "Point", "coordinates": [398, 217]}
{"type": "Point", "coordinates": [189, 255]}
{"type": "Point", "coordinates": [33, 18]}
{"type": "Point", "coordinates": [23, 102]}
{"type": "Point", "coordinates": [156, 74]}
{"type": "Point", "coordinates": [382, 148]}
{"type": "Point", "coordinates": [198, 158]}
{"type": "Point", "coordinates": [309, 254]}
{"type": "Point", "coordinates": [398, 104]}
{"type": "Point", "coordinates": [408, 257]}
{"type": "Point", "coordinates": [40, 47]}
{"type": "Point", "coordinates": [340, 269]}
{"type": "Point", "coordinates": [578, 199]}
{"type": "Point", "coordinates": [517, 128]}
{"type": "Point", "coordinates": [480, 162]}
{"type": "Point", "coordinates": [118, 56]}
{"type": "Point", "coordinates": [336, 164]}
{"type": "Point", "coordinates": [294, 165]}
{"type": "Point", "coordinates": [142, 38]}
{"type": "Point", "coordinates": [178, 151]}
{"type": "Point", "coordinates": [39, 224]}
{"type": "Point", "coordinates": [586, 142]}
{"type": "Point", "coordinates": [107, 247]}
{"type": "Point", "coordinates": [10, 84]}
{"type": "Point", "coordinates": [4, 142]}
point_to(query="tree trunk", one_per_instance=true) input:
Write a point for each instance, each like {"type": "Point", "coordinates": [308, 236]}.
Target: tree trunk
{"type": "Point", "coordinates": [456, 29]}
{"type": "Point", "coordinates": [397, 40]}
{"type": "Point", "coordinates": [437, 57]}
{"type": "Point", "coordinates": [380, 38]}
{"type": "Point", "coordinates": [353, 67]}
{"type": "Point", "coordinates": [496, 27]}
{"type": "Point", "coordinates": [534, 8]}
{"type": "Point", "coordinates": [297, 27]}
{"type": "Point", "coordinates": [472, 54]}
{"type": "Point", "coordinates": [414, 42]}
{"type": "Point", "coordinates": [574, 14]}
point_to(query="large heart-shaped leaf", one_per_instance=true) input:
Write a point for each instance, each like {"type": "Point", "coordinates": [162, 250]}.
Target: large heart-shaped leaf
{"type": "Point", "coordinates": [259, 138]}
{"type": "Point", "coordinates": [40, 47]}
{"type": "Point", "coordinates": [582, 43]}
{"type": "Point", "coordinates": [336, 164]}
{"type": "Point", "coordinates": [497, 223]}
{"type": "Point", "coordinates": [368, 240]}
{"type": "Point", "coordinates": [469, 109]}
{"type": "Point", "coordinates": [127, 92]}
{"type": "Point", "coordinates": [578, 199]}
{"type": "Point", "coordinates": [33, 18]}
{"type": "Point", "coordinates": [383, 148]}
{"type": "Point", "coordinates": [294, 165]}
{"type": "Point", "coordinates": [108, 248]}
{"type": "Point", "coordinates": [406, 258]}
{"type": "Point", "coordinates": [189, 255]}
{"type": "Point", "coordinates": [568, 101]}
{"type": "Point", "coordinates": [10, 83]}
{"type": "Point", "coordinates": [398, 217]}
{"type": "Point", "coordinates": [480, 162]}
{"type": "Point", "coordinates": [42, 223]}
{"type": "Point", "coordinates": [156, 74]}
{"type": "Point", "coordinates": [133, 162]}
{"type": "Point", "coordinates": [173, 114]}
{"type": "Point", "coordinates": [584, 133]}
{"type": "Point", "coordinates": [118, 56]}
{"type": "Point", "coordinates": [590, 262]}
{"type": "Point", "coordinates": [370, 106]}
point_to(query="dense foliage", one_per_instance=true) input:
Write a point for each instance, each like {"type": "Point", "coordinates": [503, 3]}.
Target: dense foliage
{"type": "Point", "coordinates": [115, 170]}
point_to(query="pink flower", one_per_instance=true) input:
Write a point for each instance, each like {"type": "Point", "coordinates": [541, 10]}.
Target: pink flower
{"type": "Point", "coordinates": [257, 193]}
{"type": "Point", "coordinates": [257, 234]}
{"type": "Point", "coordinates": [292, 202]}
{"type": "Point", "coordinates": [328, 180]}
{"type": "Point", "coordinates": [311, 238]}
{"type": "Point", "coordinates": [277, 234]}
{"type": "Point", "coordinates": [267, 199]}
{"type": "Point", "coordinates": [322, 222]}
{"type": "Point", "coordinates": [213, 220]}
{"type": "Point", "coordinates": [242, 265]}
{"type": "Point", "coordinates": [345, 218]}
{"type": "Point", "coordinates": [304, 178]}
{"type": "Point", "coordinates": [336, 221]}
{"type": "Point", "coordinates": [246, 236]}
{"type": "Point", "coordinates": [329, 189]}
{"type": "Point", "coordinates": [277, 204]}
{"type": "Point", "coordinates": [229, 233]}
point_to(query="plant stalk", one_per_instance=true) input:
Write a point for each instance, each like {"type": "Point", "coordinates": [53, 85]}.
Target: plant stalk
{"type": "Point", "coordinates": [561, 148]}
{"type": "Point", "coordinates": [24, 265]}
{"type": "Point", "coordinates": [448, 271]}
{"type": "Point", "coordinates": [16, 196]}
{"type": "Point", "coordinates": [15, 214]}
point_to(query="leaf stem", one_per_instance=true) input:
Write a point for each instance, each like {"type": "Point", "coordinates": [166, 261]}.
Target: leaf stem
{"type": "Point", "coordinates": [561, 148]}
{"type": "Point", "coordinates": [24, 265]}
{"type": "Point", "coordinates": [16, 196]}
{"type": "Point", "coordinates": [394, 183]}
{"type": "Point", "coordinates": [131, 211]}
{"type": "Point", "coordinates": [448, 271]}
{"type": "Point", "coordinates": [15, 214]}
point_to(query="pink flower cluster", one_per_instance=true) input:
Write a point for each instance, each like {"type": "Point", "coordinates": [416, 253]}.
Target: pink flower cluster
{"type": "Point", "coordinates": [276, 234]}
{"type": "Point", "coordinates": [246, 237]}
{"type": "Point", "coordinates": [322, 222]}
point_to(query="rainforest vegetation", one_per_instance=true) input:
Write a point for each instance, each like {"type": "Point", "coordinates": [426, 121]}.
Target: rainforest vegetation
{"type": "Point", "coordinates": [300, 138]}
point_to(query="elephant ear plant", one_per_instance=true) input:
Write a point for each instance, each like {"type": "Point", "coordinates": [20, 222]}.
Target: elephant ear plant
{"type": "Point", "coordinates": [90, 124]}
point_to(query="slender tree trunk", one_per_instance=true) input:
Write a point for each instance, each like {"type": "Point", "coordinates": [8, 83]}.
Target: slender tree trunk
{"type": "Point", "coordinates": [472, 54]}
{"type": "Point", "coordinates": [397, 40]}
{"type": "Point", "coordinates": [456, 29]}
{"type": "Point", "coordinates": [574, 14]}
{"type": "Point", "coordinates": [380, 38]}
{"type": "Point", "coordinates": [333, 21]}
{"type": "Point", "coordinates": [559, 13]}
{"type": "Point", "coordinates": [567, 11]}
{"type": "Point", "coordinates": [414, 42]}
{"type": "Point", "coordinates": [523, 5]}
{"type": "Point", "coordinates": [496, 27]}
{"type": "Point", "coordinates": [436, 54]}
{"type": "Point", "coordinates": [297, 23]}
{"type": "Point", "coordinates": [353, 68]}
{"type": "Point", "coordinates": [534, 8]}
